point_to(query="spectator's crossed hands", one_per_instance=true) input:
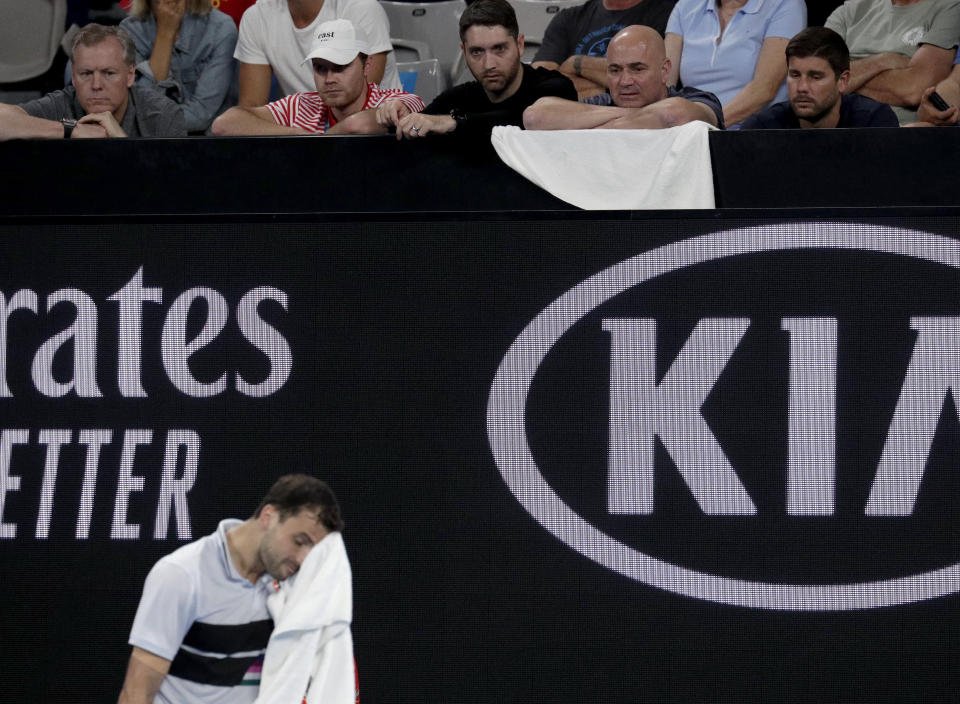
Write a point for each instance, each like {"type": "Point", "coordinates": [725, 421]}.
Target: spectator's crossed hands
{"type": "Point", "coordinates": [106, 120]}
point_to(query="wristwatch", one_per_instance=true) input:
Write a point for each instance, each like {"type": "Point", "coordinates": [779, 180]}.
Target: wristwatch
{"type": "Point", "coordinates": [578, 64]}
{"type": "Point", "coordinates": [459, 117]}
{"type": "Point", "coordinates": [68, 126]}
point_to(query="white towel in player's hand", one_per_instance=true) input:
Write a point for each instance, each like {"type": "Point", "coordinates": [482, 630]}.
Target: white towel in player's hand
{"type": "Point", "coordinates": [311, 648]}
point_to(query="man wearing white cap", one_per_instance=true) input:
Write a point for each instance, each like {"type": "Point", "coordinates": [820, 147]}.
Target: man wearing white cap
{"type": "Point", "coordinates": [344, 101]}
{"type": "Point", "coordinates": [276, 34]}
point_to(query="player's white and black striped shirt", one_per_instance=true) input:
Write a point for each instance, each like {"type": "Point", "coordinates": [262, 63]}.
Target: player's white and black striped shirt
{"type": "Point", "coordinates": [212, 624]}
{"type": "Point", "coordinates": [307, 110]}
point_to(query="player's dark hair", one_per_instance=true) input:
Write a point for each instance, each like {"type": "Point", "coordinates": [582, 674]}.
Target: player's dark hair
{"type": "Point", "coordinates": [822, 43]}
{"type": "Point", "coordinates": [293, 492]}
{"type": "Point", "coordinates": [490, 13]}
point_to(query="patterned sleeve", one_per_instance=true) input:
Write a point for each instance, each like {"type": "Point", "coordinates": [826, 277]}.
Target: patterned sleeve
{"type": "Point", "coordinates": [282, 110]}
{"type": "Point", "coordinates": [414, 102]}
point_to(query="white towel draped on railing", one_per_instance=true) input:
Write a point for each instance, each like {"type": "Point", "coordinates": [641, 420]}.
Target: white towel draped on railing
{"type": "Point", "coordinates": [627, 169]}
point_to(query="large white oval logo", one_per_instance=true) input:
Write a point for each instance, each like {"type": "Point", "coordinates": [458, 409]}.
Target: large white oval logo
{"type": "Point", "coordinates": [507, 407]}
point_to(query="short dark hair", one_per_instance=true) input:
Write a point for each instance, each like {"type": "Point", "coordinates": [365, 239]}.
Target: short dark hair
{"type": "Point", "coordinates": [293, 492]}
{"type": "Point", "coordinates": [822, 43]}
{"type": "Point", "coordinates": [490, 13]}
{"type": "Point", "coordinates": [94, 33]}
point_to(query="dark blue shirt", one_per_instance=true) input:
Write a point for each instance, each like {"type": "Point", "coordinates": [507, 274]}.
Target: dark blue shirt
{"type": "Point", "coordinates": [855, 111]}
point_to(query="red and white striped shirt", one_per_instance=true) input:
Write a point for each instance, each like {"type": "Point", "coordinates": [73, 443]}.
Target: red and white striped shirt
{"type": "Point", "coordinates": [307, 110]}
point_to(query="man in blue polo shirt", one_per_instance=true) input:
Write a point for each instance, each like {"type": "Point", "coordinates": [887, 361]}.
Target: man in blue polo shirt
{"type": "Point", "coordinates": [818, 71]}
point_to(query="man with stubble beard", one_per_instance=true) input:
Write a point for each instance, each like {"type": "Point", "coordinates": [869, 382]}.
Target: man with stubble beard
{"type": "Point", "coordinates": [818, 74]}
{"type": "Point", "coordinates": [202, 626]}
{"type": "Point", "coordinates": [505, 87]}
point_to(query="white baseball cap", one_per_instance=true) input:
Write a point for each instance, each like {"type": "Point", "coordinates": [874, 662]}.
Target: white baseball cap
{"type": "Point", "coordinates": [338, 42]}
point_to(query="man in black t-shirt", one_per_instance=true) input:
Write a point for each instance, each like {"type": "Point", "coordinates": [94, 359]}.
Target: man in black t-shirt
{"type": "Point", "coordinates": [818, 72]}
{"type": "Point", "coordinates": [505, 87]}
{"type": "Point", "coordinates": [576, 40]}
{"type": "Point", "coordinates": [639, 98]}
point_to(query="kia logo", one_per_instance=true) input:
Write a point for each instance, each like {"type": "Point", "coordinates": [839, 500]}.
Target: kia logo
{"type": "Point", "coordinates": [648, 408]}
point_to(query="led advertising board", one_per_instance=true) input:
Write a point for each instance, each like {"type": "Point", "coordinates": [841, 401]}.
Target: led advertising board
{"type": "Point", "coordinates": [637, 459]}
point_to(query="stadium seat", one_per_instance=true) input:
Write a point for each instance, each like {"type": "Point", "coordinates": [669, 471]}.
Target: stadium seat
{"type": "Point", "coordinates": [433, 23]}
{"type": "Point", "coordinates": [29, 37]}
{"type": "Point", "coordinates": [425, 78]}
{"type": "Point", "coordinates": [405, 50]}
{"type": "Point", "coordinates": [533, 16]}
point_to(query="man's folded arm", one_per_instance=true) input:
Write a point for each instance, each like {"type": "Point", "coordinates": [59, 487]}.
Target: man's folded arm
{"type": "Point", "coordinates": [559, 114]}
{"type": "Point", "coordinates": [363, 122]}
{"type": "Point", "coordinates": [904, 86]}
{"type": "Point", "coordinates": [869, 67]}
{"type": "Point", "coordinates": [15, 123]}
{"type": "Point", "coordinates": [669, 112]}
{"type": "Point", "coordinates": [591, 78]}
{"type": "Point", "coordinates": [238, 121]}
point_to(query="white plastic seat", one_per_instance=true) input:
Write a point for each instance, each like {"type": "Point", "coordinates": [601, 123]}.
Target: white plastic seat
{"type": "Point", "coordinates": [429, 79]}
{"type": "Point", "coordinates": [533, 16]}
{"type": "Point", "coordinates": [437, 24]}
{"type": "Point", "coordinates": [405, 50]}
{"type": "Point", "coordinates": [29, 37]}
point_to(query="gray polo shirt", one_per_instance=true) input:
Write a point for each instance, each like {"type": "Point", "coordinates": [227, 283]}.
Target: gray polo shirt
{"type": "Point", "coordinates": [149, 113]}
